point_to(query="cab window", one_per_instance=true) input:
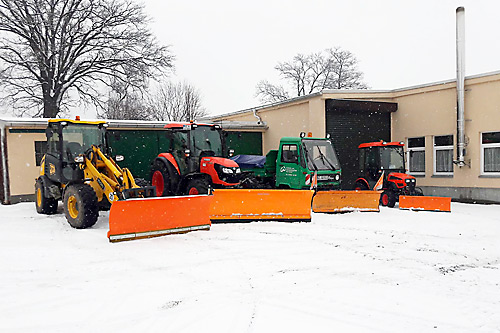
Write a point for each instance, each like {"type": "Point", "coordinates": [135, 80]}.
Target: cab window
{"type": "Point", "coordinates": [289, 154]}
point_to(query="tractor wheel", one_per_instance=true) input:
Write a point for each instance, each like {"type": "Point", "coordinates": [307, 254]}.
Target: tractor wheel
{"type": "Point", "coordinates": [197, 186]}
{"type": "Point", "coordinates": [388, 198]}
{"type": "Point", "coordinates": [80, 206]}
{"type": "Point", "coordinates": [44, 205]}
{"type": "Point", "coordinates": [360, 186]}
{"type": "Point", "coordinates": [161, 178]}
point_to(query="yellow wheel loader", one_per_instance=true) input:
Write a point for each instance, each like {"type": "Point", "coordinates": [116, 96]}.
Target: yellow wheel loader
{"type": "Point", "coordinates": [78, 170]}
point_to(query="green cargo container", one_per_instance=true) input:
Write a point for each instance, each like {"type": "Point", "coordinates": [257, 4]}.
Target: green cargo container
{"type": "Point", "coordinates": [244, 143]}
{"type": "Point", "coordinates": [140, 147]}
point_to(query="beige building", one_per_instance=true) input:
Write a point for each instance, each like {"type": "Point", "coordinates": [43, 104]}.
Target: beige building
{"type": "Point", "coordinates": [424, 117]}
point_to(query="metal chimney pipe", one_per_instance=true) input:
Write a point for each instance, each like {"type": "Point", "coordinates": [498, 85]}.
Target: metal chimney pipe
{"type": "Point", "coordinates": [460, 86]}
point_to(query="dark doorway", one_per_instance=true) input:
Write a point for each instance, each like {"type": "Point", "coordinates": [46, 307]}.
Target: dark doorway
{"type": "Point", "coordinates": [352, 122]}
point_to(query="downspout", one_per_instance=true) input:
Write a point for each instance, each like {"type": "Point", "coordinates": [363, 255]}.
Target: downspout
{"type": "Point", "coordinates": [258, 117]}
{"type": "Point", "coordinates": [460, 86]}
{"type": "Point", "coordinates": [3, 158]}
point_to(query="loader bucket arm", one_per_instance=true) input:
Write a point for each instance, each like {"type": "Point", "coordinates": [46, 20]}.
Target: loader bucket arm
{"type": "Point", "coordinates": [152, 217]}
{"type": "Point", "coordinates": [258, 204]}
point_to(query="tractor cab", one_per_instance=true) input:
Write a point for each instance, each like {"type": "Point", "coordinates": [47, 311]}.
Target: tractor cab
{"type": "Point", "coordinates": [66, 140]}
{"type": "Point", "coordinates": [190, 142]}
{"type": "Point", "coordinates": [387, 158]}
{"type": "Point", "coordinates": [378, 157]}
{"type": "Point", "coordinates": [194, 162]}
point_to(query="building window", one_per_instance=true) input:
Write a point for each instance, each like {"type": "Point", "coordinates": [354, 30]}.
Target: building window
{"type": "Point", "coordinates": [416, 156]}
{"type": "Point", "coordinates": [443, 155]}
{"type": "Point", "coordinates": [490, 151]}
{"type": "Point", "coordinates": [40, 150]}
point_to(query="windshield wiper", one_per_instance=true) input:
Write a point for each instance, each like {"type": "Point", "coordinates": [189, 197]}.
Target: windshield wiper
{"type": "Point", "coordinates": [308, 159]}
{"type": "Point", "coordinates": [324, 158]}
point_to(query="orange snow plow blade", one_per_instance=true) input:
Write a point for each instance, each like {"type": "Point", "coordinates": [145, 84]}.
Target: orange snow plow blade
{"type": "Point", "coordinates": [259, 204]}
{"type": "Point", "coordinates": [346, 201]}
{"type": "Point", "coordinates": [439, 204]}
{"type": "Point", "coordinates": [151, 217]}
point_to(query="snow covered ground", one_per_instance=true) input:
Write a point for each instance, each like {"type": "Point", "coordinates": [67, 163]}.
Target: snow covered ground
{"type": "Point", "coordinates": [393, 271]}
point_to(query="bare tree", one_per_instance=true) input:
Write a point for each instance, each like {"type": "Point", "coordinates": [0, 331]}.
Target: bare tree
{"type": "Point", "coordinates": [125, 102]}
{"type": "Point", "coordinates": [51, 50]}
{"type": "Point", "coordinates": [176, 102]}
{"type": "Point", "coordinates": [331, 69]}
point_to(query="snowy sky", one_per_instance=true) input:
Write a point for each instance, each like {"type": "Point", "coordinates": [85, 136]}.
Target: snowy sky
{"type": "Point", "coordinates": [225, 47]}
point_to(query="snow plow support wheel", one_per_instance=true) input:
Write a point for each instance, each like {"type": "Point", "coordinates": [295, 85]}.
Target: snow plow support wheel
{"type": "Point", "coordinates": [197, 186]}
{"type": "Point", "coordinates": [43, 204]}
{"type": "Point", "coordinates": [388, 198]}
{"type": "Point", "coordinates": [80, 206]}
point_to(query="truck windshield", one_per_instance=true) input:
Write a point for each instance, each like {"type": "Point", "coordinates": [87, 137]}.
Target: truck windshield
{"type": "Point", "coordinates": [321, 155]}
{"type": "Point", "coordinates": [206, 140]}
{"type": "Point", "coordinates": [392, 157]}
{"type": "Point", "coordinates": [78, 138]}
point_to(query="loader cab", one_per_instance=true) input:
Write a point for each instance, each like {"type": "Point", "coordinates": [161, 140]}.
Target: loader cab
{"type": "Point", "coordinates": [66, 140]}
{"type": "Point", "coordinates": [378, 157]}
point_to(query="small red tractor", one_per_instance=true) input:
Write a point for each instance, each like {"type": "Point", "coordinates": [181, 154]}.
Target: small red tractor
{"type": "Point", "coordinates": [194, 162]}
{"type": "Point", "coordinates": [387, 158]}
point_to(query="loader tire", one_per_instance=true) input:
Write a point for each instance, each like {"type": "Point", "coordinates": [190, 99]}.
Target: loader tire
{"type": "Point", "coordinates": [161, 178]}
{"type": "Point", "coordinates": [80, 206]}
{"type": "Point", "coordinates": [197, 186]}
{"type": "Point", "coordinates": [43, 204]}
{"type": "Point", "coordinates": [388, 198]}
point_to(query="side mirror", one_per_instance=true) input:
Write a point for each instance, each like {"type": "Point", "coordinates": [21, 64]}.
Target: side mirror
{"type": "Point", "coordinates": [119, 158]}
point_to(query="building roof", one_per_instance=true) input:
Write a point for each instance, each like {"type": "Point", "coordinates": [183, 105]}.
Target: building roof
{"type": "Point", "coordinates": [139, 124]}
{"type": "Point", "coordinates": [346, 91]}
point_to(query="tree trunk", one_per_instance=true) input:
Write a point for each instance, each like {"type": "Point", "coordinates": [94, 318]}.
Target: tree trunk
{"type": "Point", "coordinates": [50, 106]}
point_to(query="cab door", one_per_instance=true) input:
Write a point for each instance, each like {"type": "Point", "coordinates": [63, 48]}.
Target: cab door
{"type": "Point", "coordinates": [53, 163]}
{"type": "Point", "coordinates": [287, 166]}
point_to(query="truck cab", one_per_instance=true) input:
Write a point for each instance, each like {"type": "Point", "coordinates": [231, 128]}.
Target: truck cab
{"type": "Point", "coordinates": [299, 158]}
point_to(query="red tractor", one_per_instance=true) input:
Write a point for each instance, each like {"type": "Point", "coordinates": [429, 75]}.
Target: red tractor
{"type": "Point", "coordinates": [380, 157]}
{"type": "Point", "coordinates": [194, 162]}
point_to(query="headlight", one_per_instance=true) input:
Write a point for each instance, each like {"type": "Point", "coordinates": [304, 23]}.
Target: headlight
{"type": "Point", "coordinates": [337, 177]}
{"type": "Point", "coordinates": [227, 170]}
{"type": "Point", "coordinates": [238, 170]}
{"type": "Point", "coordinates": [79, 159]}
{"type": "Point", "coordinates": [408, 180]}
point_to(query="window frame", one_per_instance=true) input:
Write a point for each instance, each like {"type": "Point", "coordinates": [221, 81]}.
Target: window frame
{"type": "Point", "coordinates": [483, 146]}
{"type": "Point", "coordinates": [40, 153]}
{"type": "Point", "coordinates": [409, 150]}
{"type": "Point", "coordinates": [289, 145]}
{"type": "Point", "coordinates": [436, 148]}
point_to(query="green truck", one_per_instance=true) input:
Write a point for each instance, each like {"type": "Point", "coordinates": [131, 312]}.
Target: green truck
{"type": "Point", "coordinates": [293, 165]}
